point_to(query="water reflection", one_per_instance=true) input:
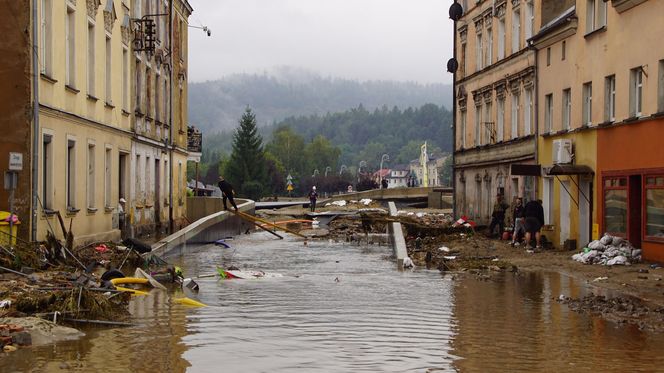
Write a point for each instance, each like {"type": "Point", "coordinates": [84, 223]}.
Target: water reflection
{"type": "Point", "coordinates": [513, 323]}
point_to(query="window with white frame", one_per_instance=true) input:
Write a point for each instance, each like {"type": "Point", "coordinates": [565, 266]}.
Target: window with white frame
{"type": "Point", "coordinates": [91, 58]}
{"type": "Point", "coordinates": [548, 112]}
{"type": "Point", "coordinates": [501, 38]}
{"type": "Point", "coordinates": [47, 172]}
{"type": "Point", "coordinates": [70, 44]}
{"type": "Point", "coordinates": [107, 178]}
{"type": "Point", "coordinates": [548, 199]}
{"type": "Point", "coordinates": [109, 73]}
{"type": "Point", "coordinates": [489, 46]}
{"type": "Point", "coordinates": [530, 19]}
{"type": "Point", "coordinates": [610, 98]}
{"type": "Point", "coordinates": [567, 108]}
{"type": "Point", "coordinates": [515, 114]}
{"type": "Point", "coordinates": [587, 103]}
{"type": "Point", "coordinates": [590, 15]}
{"type": "Point", "coordinates": [500, 119]}
{"type": "Point", "coordinates": [463, 59]}
{"type": "Point", "coordinates": [636, 92]}
{"type": "Point", "coordinates": [478, 52]}
{"type": "Point", "coordinates": [516, 30]}
{"type": "Point", "coordinates": [528, 112]}
{"type": "Point", "coordinates": [71, 174]}
{"type": "Point", "coordinates": [478, 124]}
{"type": "Point", "coordinates": [602, 7]}
{"type": "Point", "coordinates": [91, 176]}
{"type": "Point", "coordinates": [596, 14]}
{"type": "Point", "coordinates": [488, 125]}
{"type": "Point", "coordinates": [46, 44]}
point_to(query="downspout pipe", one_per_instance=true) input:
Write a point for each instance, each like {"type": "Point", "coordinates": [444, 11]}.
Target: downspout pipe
{"type": "Point", "coordinates": [35, 120]}
{"type": "Point", "coordinates": [454, 122]}
{"type": "Point", "coordinates": [170, 114]}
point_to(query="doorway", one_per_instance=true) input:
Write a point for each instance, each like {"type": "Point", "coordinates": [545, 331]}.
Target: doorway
{"type": "Point", "coordinates": [122, 176]}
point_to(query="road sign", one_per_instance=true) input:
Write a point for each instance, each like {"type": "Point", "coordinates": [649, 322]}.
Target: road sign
{"type": "Point", "coordinates": [15, 161]}
{"type": "Point", "coordinates": [289, 187]}
{"type": "Point", "coordinates": [289, 178]}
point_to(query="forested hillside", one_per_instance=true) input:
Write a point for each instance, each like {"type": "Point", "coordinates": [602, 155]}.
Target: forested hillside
{"type": "Point", "coordinates": [215, 106]}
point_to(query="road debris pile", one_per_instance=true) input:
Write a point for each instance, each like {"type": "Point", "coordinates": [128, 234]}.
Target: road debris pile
{"type": "Point", "coordinates": [618, 309]}
{"type": "Point", "coordinates": [609, 251]}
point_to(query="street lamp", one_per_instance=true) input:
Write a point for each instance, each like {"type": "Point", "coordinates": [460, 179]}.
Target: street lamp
{"type": "Point", "coordinates": [328, 168]}
{"type": "Point", "coordinates": [315, 172]}
{"type": "Point", "coordinates": [385, 157]}
{"type": "Point", "coordinates": [359, 169]}
{"type": "Point", "coordinates": [341, 170]}
{"type": "Point", "coordinates": [456, 12]}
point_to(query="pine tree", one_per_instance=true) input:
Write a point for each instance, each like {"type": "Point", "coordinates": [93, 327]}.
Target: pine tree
{"type": "Point", "coordinates": [246, 169]}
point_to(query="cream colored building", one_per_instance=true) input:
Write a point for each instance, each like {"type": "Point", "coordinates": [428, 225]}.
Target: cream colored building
{"type": "Point", "coordinates": [496, 103]}
{"type": "Point", "coordinates": [84, 134]}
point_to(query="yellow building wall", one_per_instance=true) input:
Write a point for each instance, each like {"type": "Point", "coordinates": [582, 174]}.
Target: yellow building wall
{"type": "Point", "coordinates": [585, 151]}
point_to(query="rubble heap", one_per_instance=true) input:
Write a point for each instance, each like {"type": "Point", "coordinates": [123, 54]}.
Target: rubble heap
{"type": "Point", "coordinates": [609, 251]}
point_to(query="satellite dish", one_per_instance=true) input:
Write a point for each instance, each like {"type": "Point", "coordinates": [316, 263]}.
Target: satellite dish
{"type": "Point", "coordinates": [456, 11]}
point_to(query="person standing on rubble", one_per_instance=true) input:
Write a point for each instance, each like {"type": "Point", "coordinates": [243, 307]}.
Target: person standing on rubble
{"type": "Point", "coordinates": [313, 196]}
{"type": "Point", "coordinates": [534, 218]}
{"type": "Point", "coordinates": [519, 222]}
{"type": "Point", "coordinates": [227, 192]}
{"type": "Point", "coordinates": [498, 216]}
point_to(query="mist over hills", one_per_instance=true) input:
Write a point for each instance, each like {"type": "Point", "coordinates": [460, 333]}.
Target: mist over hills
{"type": "Point", "coordinates": [216, 106]}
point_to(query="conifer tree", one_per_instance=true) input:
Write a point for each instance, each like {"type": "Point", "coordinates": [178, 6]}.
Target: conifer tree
{"type": "Point", "coordinates": [246, 168]}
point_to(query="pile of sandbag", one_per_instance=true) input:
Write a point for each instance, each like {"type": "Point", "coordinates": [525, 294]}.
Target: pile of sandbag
{"type": "Point", "coordinates": [609, 250]}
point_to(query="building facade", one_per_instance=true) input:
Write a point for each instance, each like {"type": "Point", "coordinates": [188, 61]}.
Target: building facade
{"type": "Point", "coordinates": [601, 95]}
{"type": "Point", "coordinates": [93, 118]}
{"type": "Point", "coordinates": [495, 111]}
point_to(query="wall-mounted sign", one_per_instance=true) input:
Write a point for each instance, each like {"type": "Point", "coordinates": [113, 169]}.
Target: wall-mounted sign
{"type": "Point", "coordinates": [15, 161]}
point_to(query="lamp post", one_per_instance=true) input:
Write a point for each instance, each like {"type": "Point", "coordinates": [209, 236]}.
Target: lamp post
{"type": "Point", "coordinates": [359, 169]}
{"type": "Point", "coordinates": [341, 170]}
{"type": "Point", "coordinates": [327, 169]}
{"type": "Point", "coordinates": [385, 157]}
{"type": "Point", "coordinates": [456, 12]}
{"type": "Point", "coordinates": [315, 172]}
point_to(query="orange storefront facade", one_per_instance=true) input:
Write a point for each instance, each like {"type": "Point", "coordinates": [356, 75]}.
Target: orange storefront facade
{"type": "Point", "coordinates": [630, 161]}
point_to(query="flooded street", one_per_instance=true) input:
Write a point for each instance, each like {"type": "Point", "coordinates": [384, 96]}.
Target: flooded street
{"type": "Point", "coordinates": [342, 308]}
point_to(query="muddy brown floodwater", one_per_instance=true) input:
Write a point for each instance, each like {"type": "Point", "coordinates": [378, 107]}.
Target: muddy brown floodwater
{"type": "Point", "coordinates": [344, 308]}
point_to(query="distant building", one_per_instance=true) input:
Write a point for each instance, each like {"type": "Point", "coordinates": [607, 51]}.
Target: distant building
{"type": "Point", "coordinates": [434, 170]}
{"type": "Point", "coordinates": [398, 176]}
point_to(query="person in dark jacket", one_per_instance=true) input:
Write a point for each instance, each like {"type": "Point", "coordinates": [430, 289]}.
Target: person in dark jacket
{"type": "Point", "coordinates": [498, 216]}
{"type": "Point", "coordinates": [519, 222]}
{"type": "Point", "coordinates": [534, 215]}
{"type": "Point", "coordinates": [313, 195]}
{"type": "Point", "coordinates": [227, 192]}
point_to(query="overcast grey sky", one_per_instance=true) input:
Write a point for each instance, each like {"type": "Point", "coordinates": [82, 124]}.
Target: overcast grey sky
{"type": "Point", "coordinates": [406, 40]}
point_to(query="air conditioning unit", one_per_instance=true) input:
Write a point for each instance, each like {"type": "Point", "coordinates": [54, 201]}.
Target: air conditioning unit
{"type": "Point", "coordinates": [562, 151]}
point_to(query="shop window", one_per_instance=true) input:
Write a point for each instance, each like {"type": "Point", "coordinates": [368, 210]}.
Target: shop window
{"type": "Point", "coordinates": [654, 192]}
{"type": "Point", "coordinates": [615, 205]}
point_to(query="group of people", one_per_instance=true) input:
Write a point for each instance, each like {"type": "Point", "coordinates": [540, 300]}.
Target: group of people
{"type": "Point", "coordinates": [528, 220]}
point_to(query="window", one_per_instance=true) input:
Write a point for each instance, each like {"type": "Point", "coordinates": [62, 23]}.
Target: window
{"type": "Point", "coordinates": [530, 19]}
{"type": "Point", "coordinates": [463, 59]}
{"type": "Point", "coordinates": [528, 112]}
{"type": "Point", "coordinates": [46, 47]}
{"type": "Point", "coordinates": [660, 89]}
{"type": "Point", "coordinates": [181, 186]}
{"type": "Point", "coordinates": [548, 112]}
{"type": "Point", "coordinates": [138, 177]}
{"type": "Point", "coordinates": [91, 59]}
{"type": "Point", "coordinates": [478, 124]}
{"type": "Point", "coordinates": [488, 124]}
{"type": "Point", "coordinates": [70, 42]}
{"type": "Point", "coordinates": [548, 199]}
{"type": "Point", "coordinates": [567, 108]}
{"type": "Point", "coordinates": [636, 92]}
{"type": "Point", "coordinates": [166, 101]}
{"type": "Point", "coordinates": [501, 38]}
{"type": "Point", "coordinates": [157, 99]}
{"type": "Point", "coordinates": [148, 92]}
{"type": "Point", "coordinates": [181, 40]}
{"type": "Point", "coordinates": [615, 205]}
{"type": "Point", "coordinates": [489, 46]}
{"type": "Point", "coordinates": [107, 178]}
{"type": "Point", "coordinates": [109, 57]}
{"type": "Point", "coordinates": [601, 13]}
{"type": "Point", "coordinates": [590, 15]}
{"type": "Point", "coordinates": [182, 113]}
{"type": "Point", "coordinates": [515, 115]}
{"type": "Point", "coordinates": [71, 175]}
{"type": "Point", "coordinates": [463, 129]}
{"type": "Point", "coordinates": [478, 52]}
{"type": "Point", "coordinates": [91, 176]}
{"type": "Point", "coordinates": [138, 85]}
{"type": "Point", "coordinates": [564, 50]}
{"type": "Point", "coordinates": [125, 79]}
{"type": "Point", "coordinates": [654, 191]}
{"type": "Point", "coordinates": [47, 172]}
{"type": "Point", "coordinates": [610, 98]}
{"type": "Point", "coordinates": [147, 178]}
{"type": "Point", "coordinates": [500, 118]}
{"type": "Point", "coordinates": [588, 103]}
{"type": "Point", "coordinates": [516, 30]}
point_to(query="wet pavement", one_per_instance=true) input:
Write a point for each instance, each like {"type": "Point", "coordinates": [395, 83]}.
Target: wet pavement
{"type": "Point", "coordinates": [343, 308]}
